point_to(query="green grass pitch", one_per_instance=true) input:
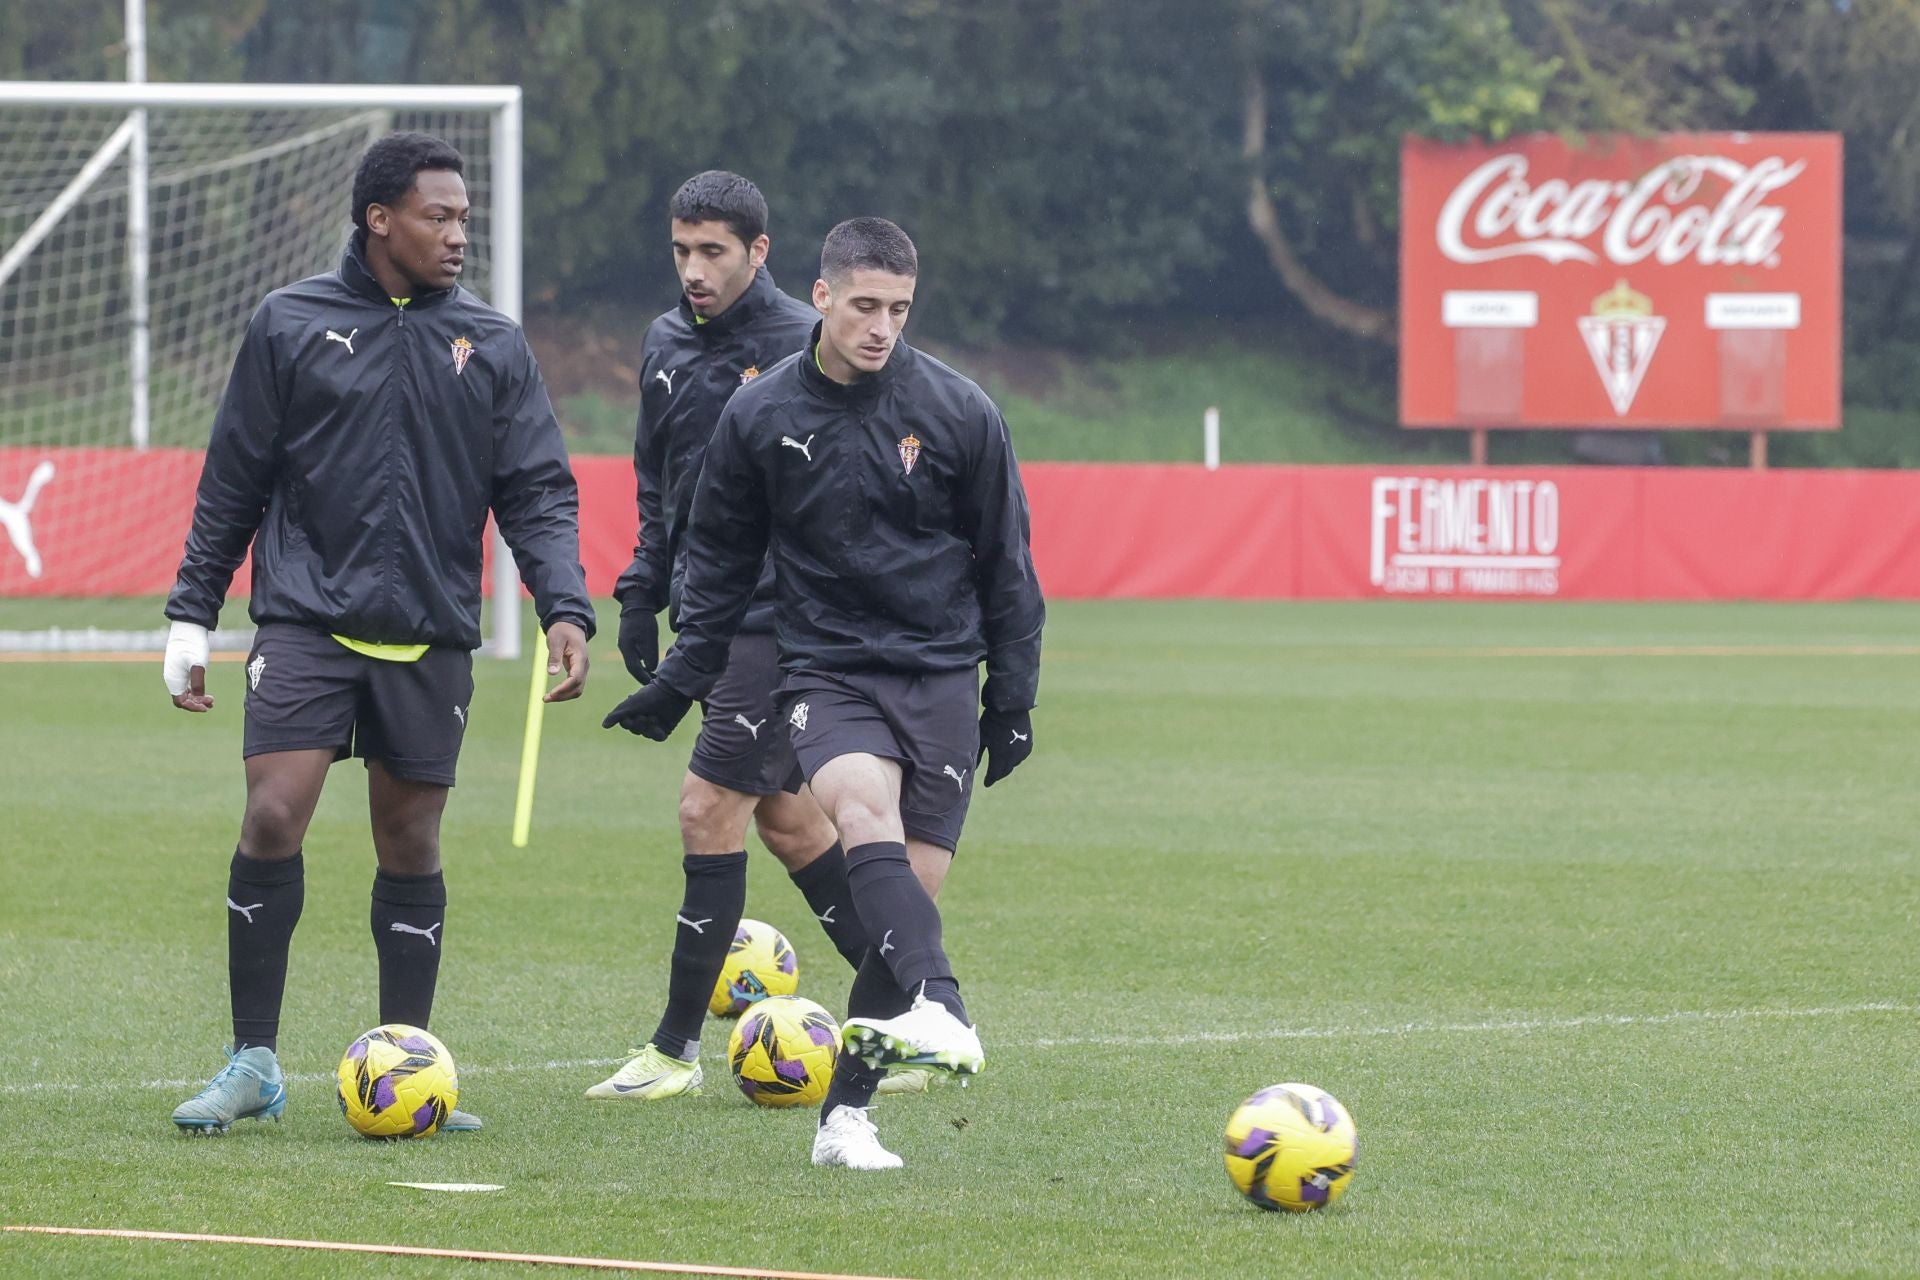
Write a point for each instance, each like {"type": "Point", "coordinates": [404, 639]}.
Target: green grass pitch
{"type": "Point", "coordinates": [1611, 953]}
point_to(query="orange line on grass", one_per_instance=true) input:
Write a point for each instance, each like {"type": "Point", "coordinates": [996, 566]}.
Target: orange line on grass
{"type": "Point", "coordinates": [108, 655]}
{"type": "Point", "coordinates": [466, 1255]}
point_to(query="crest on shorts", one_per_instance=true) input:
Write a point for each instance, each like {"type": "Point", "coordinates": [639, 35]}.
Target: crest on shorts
{"type": "Point", "coordinates": [749, 373]}
{"type": "Point", "coordinates": [255, 670]}
{"type": "Point", "coordinates": [461, 350]}
{"type": "Point", "coordinates": [909, 451]}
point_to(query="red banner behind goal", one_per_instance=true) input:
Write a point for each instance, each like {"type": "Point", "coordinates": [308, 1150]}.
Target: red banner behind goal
{"type": "Point", "coordinates": [111, 522]}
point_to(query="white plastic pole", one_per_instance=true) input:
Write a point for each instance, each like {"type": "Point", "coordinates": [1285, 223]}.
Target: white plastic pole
{"type": "Point", "coordinates": [1211, 437]}
{"type": "Point", "coordinates": [140, 357]}
{"type": "Point", "coordinates": [506, 299]}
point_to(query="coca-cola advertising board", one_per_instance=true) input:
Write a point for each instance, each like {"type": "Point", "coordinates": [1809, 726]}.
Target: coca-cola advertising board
{"type": "Point", "coordinates": [1686, 280]}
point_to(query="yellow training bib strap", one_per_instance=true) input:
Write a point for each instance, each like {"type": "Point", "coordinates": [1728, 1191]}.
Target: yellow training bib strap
{"type": "Point", "coordinates": [386, 652]}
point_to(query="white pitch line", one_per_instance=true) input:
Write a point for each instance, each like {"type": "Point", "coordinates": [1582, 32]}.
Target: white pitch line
{"type": "Point", "coordinates": [1516, 1026]}
{"type": "Point", "coordinates": [1519, 1025]}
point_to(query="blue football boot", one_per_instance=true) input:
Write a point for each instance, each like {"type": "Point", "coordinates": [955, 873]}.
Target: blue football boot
{"type": "Point", "coordinates": [249, 1086]}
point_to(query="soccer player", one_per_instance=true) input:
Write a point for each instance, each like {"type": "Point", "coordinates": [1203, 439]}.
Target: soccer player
{"type": "Point", "coordinates": [731, 323]}
{"type": "Point", "coordinates": [374, 416]}
{"type": "Point", "coordinates": [886, 486]}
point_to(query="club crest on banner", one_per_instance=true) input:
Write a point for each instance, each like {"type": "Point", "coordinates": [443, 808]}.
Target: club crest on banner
{"type": "Point", "coordinates": [909, 451]}
{"type": "Point", "coordinates": [461, 350]}
{"type": "Point", "coordinates": [1621, 335]}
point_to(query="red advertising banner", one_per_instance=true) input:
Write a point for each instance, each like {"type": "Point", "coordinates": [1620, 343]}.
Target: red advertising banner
{"type": "Point", "coordinates": [108, 522]}
{"type": "Point", "coordinates": [94, 522]}
{"type": "Point", "coordinates": [1686, 280]}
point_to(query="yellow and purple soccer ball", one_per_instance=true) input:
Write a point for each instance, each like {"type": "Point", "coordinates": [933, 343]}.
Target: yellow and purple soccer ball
{"type": "Point", "coordinates": [1292, 1147]}
{"type": "Point", "coordinates": [760, 963]}
{"type": "Point", "coordinates": [397, 1081]}
{"type": "Point", "coordinates": [782, 1051]}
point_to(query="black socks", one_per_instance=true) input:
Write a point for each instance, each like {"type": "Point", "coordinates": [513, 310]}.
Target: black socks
{"type": "Point", "coordinates": [874, 994]}
{"type": "Point", "coordinates": [708, 916]}
{"type": "Point", "coordinates": [408, 912]}
{"type": "Point", "coordinates": [263, 905]}
{"type": "Point", "coordinates": [823, 882]}
{"type": "Point", "coordinates": [902, 921]}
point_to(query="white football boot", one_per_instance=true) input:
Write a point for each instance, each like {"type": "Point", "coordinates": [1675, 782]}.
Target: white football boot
{"type": "Point", "coordinates": [924, 1036]}
{"type": "Point", "coordinates": [848, 1140]}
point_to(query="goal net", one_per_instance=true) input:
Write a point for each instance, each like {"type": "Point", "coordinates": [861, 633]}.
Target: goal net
{"type": "Point", "coordinates": [137, 236]}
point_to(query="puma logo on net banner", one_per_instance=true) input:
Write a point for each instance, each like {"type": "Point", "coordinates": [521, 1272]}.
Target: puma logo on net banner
{"type": "Point", "coordinates": [13, 515]}
{"type": "Point", "coordinates": [806, 450]}
{"type": "Point", "coordinates": [245, 911]}
{"type": "Point", "coordinates": [346, 341]}
{"type": "Point", "coordinates": [427, 933]}
{"type": "Point", "coordinates": [698, 926]}
{"type": "Point", "coordinates": [665, 378]}
{"type": "Point", "coordinates": [749, 725]}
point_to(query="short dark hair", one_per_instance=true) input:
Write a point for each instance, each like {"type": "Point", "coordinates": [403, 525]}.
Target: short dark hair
{"type": "Point", "coordinates": [719, 196]}
{"type": "Point", "coordinates": [867, 244]}
{"type": "Point", "coordinates": [387, 169]}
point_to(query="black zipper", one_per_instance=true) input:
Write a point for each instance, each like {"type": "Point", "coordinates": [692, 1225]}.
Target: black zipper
{"type": "Point", "coordinates": [394, 414]}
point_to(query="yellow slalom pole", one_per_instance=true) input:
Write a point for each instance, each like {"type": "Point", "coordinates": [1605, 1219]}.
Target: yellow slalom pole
{"type": "Point", "coordinates": [530, 746]}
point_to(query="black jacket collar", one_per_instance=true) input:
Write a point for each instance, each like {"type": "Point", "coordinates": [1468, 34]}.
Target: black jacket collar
{"type": "Point", "coordinates": [865, 391]}
{"type": "Point", "coordinates": [358, 276]}
{"type": "Point", "coordinates": [749, 306]}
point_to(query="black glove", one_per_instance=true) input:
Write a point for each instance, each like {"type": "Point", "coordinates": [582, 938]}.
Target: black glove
{"type": "Point", "coordinates": [1006, 740]}
{"type": "Point", "coordinates": [651, 711]}
{"type": "Point", "coordinates": [640, 642]}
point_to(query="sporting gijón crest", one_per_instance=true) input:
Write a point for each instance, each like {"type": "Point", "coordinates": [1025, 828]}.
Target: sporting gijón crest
{"type": "Point", "coordinates": [462, 349]}
{"type": "Point", "coordinates": [909, 451]}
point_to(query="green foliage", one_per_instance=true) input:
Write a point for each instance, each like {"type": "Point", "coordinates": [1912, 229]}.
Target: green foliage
{"type": "Point", "coordinates": [1071, 171]}
{"type": "Point", "coordinates": [619, 98]}
{"type": "Point", "coordinates": [1053, 178]}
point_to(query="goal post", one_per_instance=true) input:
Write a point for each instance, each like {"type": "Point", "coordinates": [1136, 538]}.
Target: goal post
{"type": "Point", "coordinates": [140, 225]}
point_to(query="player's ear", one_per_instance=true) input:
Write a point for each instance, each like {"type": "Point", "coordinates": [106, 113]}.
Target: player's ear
{"type": "Point", "coordinates": [379, 220]}
{"type": "Point", "coordinates": [822, 296]}
{"type": "Point", "coordinates": [757, 251]}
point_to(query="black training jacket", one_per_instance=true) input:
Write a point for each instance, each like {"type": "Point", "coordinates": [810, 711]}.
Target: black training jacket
{"type": "Point", "coordinates": [365, 444]}
{"type": "Point", "coordinates": [897, 522]}
{"type": "Point", "coordinates": [687, 373]}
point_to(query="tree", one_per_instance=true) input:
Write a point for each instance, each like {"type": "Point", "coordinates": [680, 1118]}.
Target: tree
{"type": "Point", "coordinates": [1329, 91]}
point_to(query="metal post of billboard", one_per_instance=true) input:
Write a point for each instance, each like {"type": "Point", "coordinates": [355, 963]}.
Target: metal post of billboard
{"type": "Point", "coordinates": [1757, 451]}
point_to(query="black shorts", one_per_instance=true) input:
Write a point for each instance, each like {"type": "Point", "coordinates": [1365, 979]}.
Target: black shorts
{"type": "Point", "coordinates": [306, 690]}
{"type": "Point", "coordinates": [928, 722]}
{"type": "Point", "coordinates": [743, 737]}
